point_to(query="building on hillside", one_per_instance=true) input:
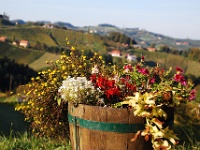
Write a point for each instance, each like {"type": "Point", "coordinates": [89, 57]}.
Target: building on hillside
{"type": "Point", "coordinates": [3, 38]}
{"type": "Point", "coordinates": [49, 25]}
{"type": "Point", "coordinates": [185, 43]}
{"type": "Point", "coordinates": [115, 53]}
{"type": "Point", "coordinates": [24, 43]}
{"type": "Point", "coordinates": [151, 49]}
{"type": "Point", "coordinates": [131, 57]}
{"type": "Point", "coordinates": [137, 46]}
{"type": "Point", "coordinates": [178, 43]}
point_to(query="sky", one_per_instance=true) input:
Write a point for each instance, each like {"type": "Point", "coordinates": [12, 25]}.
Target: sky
{"type": "Point", "coordinates": [174, 18]}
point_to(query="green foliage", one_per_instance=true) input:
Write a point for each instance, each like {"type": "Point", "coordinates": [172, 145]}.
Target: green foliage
{"type": "Point", "coordinates": [194, 54]}
{"type": "Point", "coordinates": [122, 38]}
{"type": "Point", "coordinates": [5, 22]}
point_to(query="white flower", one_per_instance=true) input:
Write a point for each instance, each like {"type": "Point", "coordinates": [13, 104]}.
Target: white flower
{"type": "Point", "coordinates": [77, 89]}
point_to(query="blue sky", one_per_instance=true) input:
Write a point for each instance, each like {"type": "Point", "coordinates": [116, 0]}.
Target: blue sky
{"type": "Point", "coordinates": [175, 18]}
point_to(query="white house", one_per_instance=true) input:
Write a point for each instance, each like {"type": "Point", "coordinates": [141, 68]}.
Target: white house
{"type": "Point", "coordinates": [131, 57]}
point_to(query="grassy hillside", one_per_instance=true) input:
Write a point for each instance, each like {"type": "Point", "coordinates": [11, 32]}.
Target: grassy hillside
{"type": "Point", "coordinates": [32, 34]}
{"type": "Point", "coordinates": [40, 63]}
{"type": "Point", "coordinates": [20, 55]}
{"type": "Point", "coordinates": [53, 37]}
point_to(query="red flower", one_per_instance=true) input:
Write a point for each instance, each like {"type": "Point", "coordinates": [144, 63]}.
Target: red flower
{"type": "Point", "coordinates": [110, 83]}
{"type": "Point", "coordinates": [183, 80]}
{"type": "Point", "coordinates": [112, 92]}
{"type": "Point", "coordinates": [131, 87]}
{"type": "Point", "coordinates": [100, 81]}
{"type": "Point", "coordinates": [93, 78]}
{"type": "Point", "coordinates": [178, 69]}
{"type": "Point", "coordinates": [192, 94]}
{"type": "Point", "coordinates": [144, 71]}
{"type": "Point", "coordinates": [180, 78]}
{"type": "Point", "coordinates": [177, 77]}
{"type": "Point", "coordinates": [142, 58]}
{"type": "Point", "coordinates": [152, 80]}
{"type": "Point", "coordinates": [138, 67]}
{"type": "Point", "coordinates": [128, 68]}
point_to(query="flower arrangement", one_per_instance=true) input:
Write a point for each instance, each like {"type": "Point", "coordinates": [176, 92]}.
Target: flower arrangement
{"type": "Point", "coordinates": [157, 92]}
{"type": "Point", "coordinates": [149, 91]}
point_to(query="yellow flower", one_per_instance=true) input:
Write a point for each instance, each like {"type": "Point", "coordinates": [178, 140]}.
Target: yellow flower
{"type": "Point", "coordinates": [73, 65]}
{"type": "Point", "coordinates": [73, 48]}
{"type": "Point", "coordinates": [64, 68]}
{"type": "Point", "coordinates": [84, 57]}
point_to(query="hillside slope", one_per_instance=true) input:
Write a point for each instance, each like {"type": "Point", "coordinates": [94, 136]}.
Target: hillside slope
{"type": "Point", "coordinates": [32, 34]}
{"type": "Point", "coordinates": [40, 63]}
{"type": "Point", "coordinates": [20, 55]}
{"type": "Point", "coordinates": [53, 37]}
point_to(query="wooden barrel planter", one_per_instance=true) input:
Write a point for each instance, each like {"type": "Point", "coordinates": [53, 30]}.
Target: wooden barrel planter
{"type": "Point", "coordinates": [103, 128]}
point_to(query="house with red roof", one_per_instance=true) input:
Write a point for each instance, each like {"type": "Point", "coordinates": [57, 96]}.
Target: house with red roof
{"type": "Point", "coordinates": [115, 53]}
{"type": "Point", "coordinates": [24, 43]}
{"type": "Point", "coordinates": [3, 38]}
{"type": "Point", "coordinates": [151, 49]}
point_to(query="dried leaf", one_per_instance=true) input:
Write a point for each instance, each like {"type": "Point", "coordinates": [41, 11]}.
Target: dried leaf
{"type": "Point", "coordinates": [136, 136]}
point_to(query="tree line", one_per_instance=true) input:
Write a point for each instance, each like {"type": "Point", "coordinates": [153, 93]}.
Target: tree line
{"type": "Point", "coordinates": [192, 53]}
{"type": "Point", "coordinates": [13, 74]}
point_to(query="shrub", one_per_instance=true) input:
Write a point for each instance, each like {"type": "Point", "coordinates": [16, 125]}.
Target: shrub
{"type": "Point", "coordinates": [42, 103]}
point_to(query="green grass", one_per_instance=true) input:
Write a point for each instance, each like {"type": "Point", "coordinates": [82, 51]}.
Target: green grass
{"type": "Point", "coordinates": [26, 142]}
{"type": "Point", "coordinates": [14, 131]}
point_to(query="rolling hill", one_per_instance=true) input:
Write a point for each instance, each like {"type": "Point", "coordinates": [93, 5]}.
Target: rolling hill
{"type": "Point", "coordinates": [56, 37]}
